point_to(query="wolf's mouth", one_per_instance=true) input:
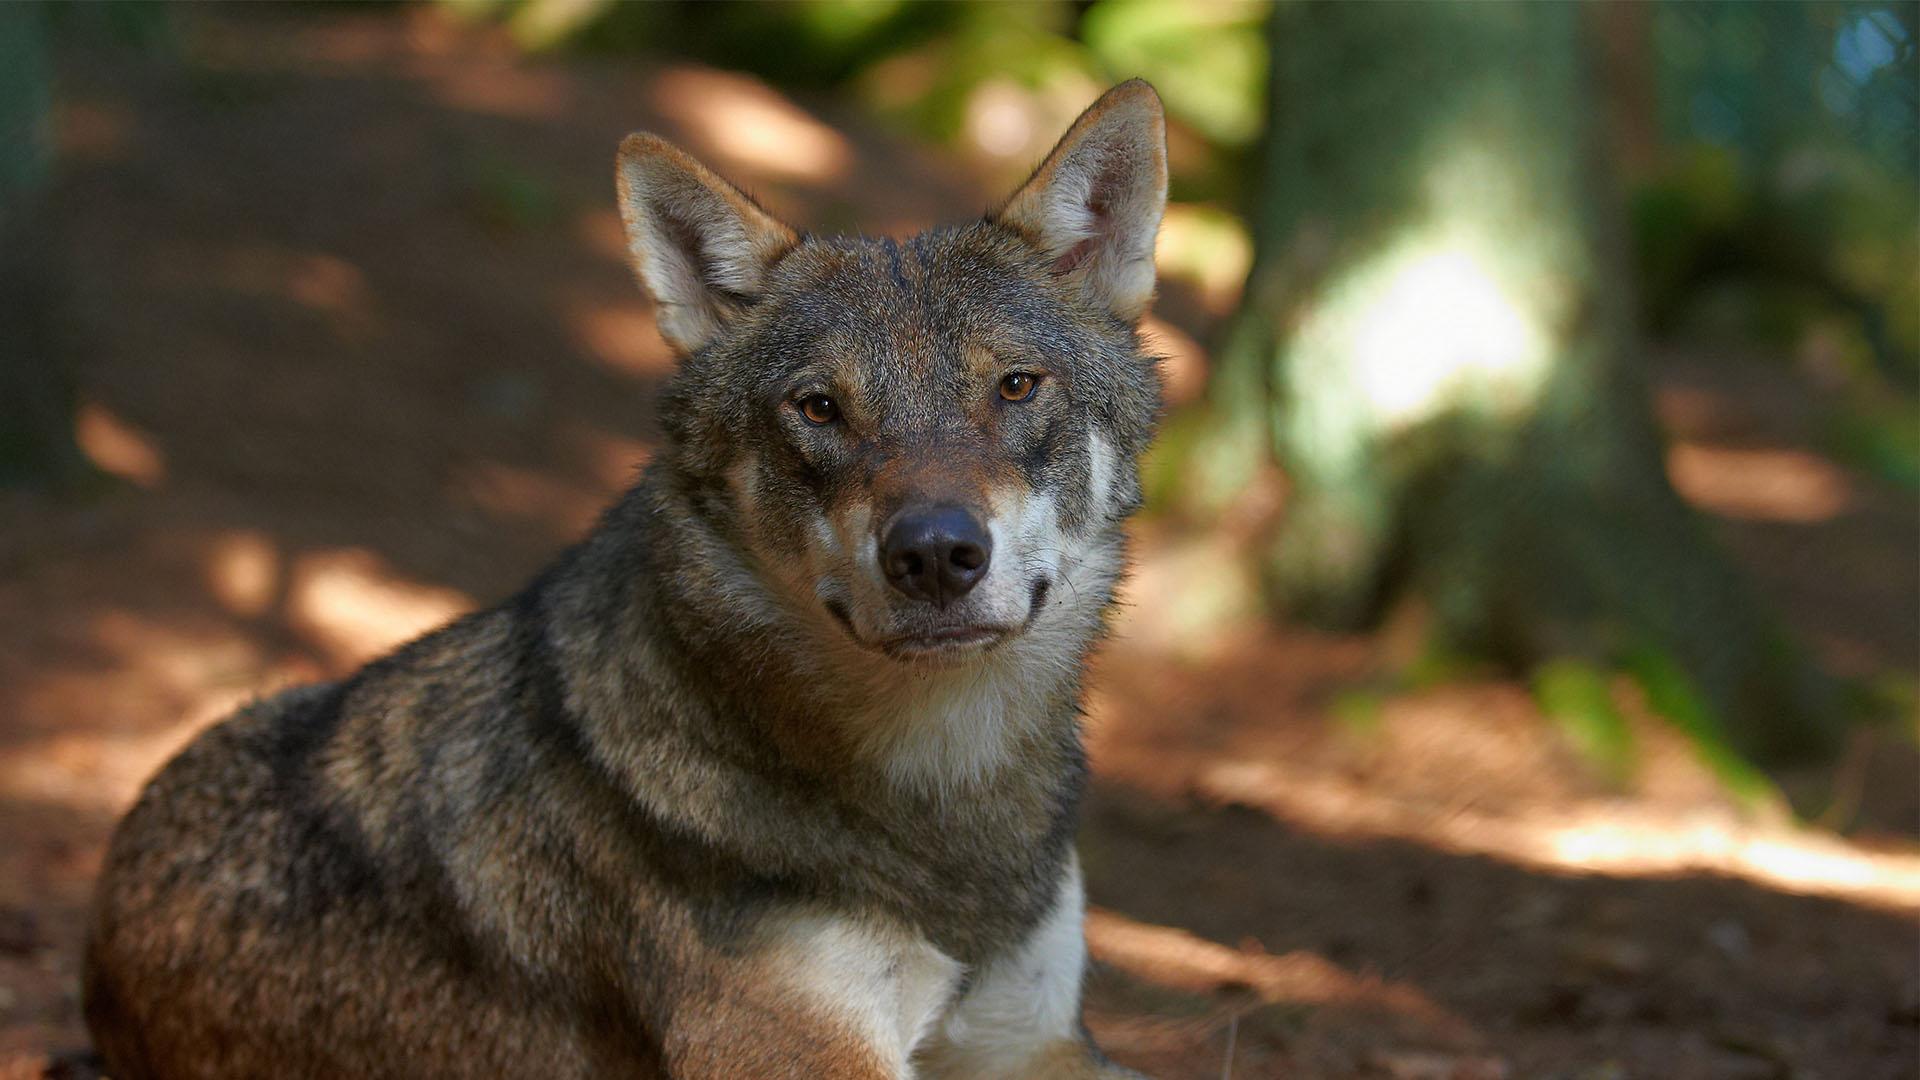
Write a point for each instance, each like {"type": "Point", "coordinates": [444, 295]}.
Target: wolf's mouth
{"type": "Point", "coordinates": [959, 639]}
{"type": "Point", "coordinates": [943, 643]}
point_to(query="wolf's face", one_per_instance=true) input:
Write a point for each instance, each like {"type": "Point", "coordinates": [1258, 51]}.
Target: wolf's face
{"type": "Point", "coordinates": [926, 446]}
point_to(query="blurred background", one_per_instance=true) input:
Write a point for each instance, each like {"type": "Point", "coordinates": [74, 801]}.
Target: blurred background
{"type": "Point", "coordinates": [1519, 678]}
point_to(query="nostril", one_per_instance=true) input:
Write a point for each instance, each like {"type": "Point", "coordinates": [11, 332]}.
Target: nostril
{"type": "Point", "coordinates": [967, 556]}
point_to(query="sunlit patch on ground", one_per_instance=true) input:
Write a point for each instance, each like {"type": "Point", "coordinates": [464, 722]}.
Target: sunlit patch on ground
{"type": "Point", "coordinates": [109, 741]}
{"type": "Point", "coordinates": [740, 123]}
{"type": "Point", "coordinates": [117, 447]}
{"type": "Point", "coordinates": [1781, 485]}
{"type": "Point", "coordinates": [510, 492]}
{"type": "Point", "coordinates": [244, 572]}
{"type": "Point", "coordinates": [623, 338]}
{"type": "Point", "coordinates": [1446, 861]}
{"type": "Point", "coordinates": [326, 285]}
{"type": "Point", "coordinates": [1616, 839]}
{"type": "Point", "coordinates": [353, 606]}
{"type": "Point", "coordinates": [1175, 958]}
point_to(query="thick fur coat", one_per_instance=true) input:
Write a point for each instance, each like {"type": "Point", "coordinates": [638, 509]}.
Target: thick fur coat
{"type": "Point", "coordinates": [775, 773]}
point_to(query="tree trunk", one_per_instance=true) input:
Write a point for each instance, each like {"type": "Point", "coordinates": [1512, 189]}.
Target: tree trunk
{"type": "Point", "coordinates": [1436, 346]}
{"type": "Point", "coordinates": [36, 408]}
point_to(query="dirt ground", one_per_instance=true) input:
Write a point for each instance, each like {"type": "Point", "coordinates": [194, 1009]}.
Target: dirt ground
{"type": "Point", "coordinates": [358, 345]}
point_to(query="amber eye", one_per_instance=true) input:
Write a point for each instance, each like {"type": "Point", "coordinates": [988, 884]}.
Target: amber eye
{"type": "Point", "coordinates": [819, 409]}
{"type": "Point", "coordinates": [1018, 386]}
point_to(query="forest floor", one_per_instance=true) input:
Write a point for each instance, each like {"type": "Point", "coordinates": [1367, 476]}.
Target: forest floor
{"type": "Point", "coordinates": [359, 345]}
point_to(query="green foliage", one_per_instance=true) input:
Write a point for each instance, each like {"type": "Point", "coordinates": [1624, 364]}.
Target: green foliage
{"type": "Point", "coordinates": [922, 64]}
{"type": "Point", "coordinates": [1881, 439]}
{"type": "Point", "coordinates": [1029, 45]}
{"type": "Point", "coordinates": [1206, 58]}
{"type": "Point", "coordinates": [1674, 695]}
{"type": "Point", "coordinates": [1780, 208]}
{"type": "Point", "coordinates": [1578, 698]}
{"type": "Point", "coordinates": [1360, 713]}
{"type": "Point", "coordinates": [1787, 208]}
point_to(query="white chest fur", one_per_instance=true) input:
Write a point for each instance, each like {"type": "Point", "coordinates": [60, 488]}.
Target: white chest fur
{"type": "Point", "coordinates": [895, 990]}
{"type": "Point", "coordinates": [884, 983]}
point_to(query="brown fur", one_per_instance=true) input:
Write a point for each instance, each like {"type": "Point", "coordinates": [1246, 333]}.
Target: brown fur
{"type": "Point", "coordinates": [687, 805]}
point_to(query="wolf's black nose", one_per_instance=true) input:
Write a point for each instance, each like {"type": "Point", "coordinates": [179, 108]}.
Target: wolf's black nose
{"type": "Point", "coordinates": [937, 554]}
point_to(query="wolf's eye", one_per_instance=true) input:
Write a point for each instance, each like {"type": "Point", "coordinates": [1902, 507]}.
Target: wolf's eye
{"type": "Point", "coordinates": [818, 409]}
{"type": "Point", "coordinates": [1018, 386]}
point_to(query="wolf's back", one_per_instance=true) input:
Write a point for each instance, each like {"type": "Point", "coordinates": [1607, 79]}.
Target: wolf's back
{"type": "Point", "coordinates": [278, 889]}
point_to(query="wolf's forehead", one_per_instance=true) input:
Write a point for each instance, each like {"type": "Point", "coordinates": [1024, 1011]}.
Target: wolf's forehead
{"type": "Point", "coordinates": [925, 303]}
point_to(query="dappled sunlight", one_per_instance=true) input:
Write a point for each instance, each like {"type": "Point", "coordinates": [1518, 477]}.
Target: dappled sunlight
{"type": "Point", "coordinates": [1422, 330]}
{"type": "Point", "coordinates": [1780, 485]}
{"type": "Point", "coordinates": [514, 493]}
{"type": "Point", "coordinates": [1187, 597]}
{"type": "Point", "coordinates": [743, 124]}
{"type": "Point", "coordinates": [1183, 361]}
{"type": "Point", "coordinates": [324, 284]}
{"type": "Point", "coordinates": [1172, 957]}
{"type": "Point", "coordinates": [1623, 839]}
{"type": "Point", "coordinates": [1003, 121]}
{"type": "Point", "coordinates": [361, 341]}
{"type": "Point", "coordinates": [1207, 248]}
{"type": "Point", "coordinates": [1791, 860]}
{"type": "Point", "coordinates": [102, 773]}
{"type": "Point", "coordinates": [1013, 123]}
{"type": "Point", "coordinates": [1456, 314]}
{"type": "Point", "coordinates": [1435, 328]}
{"type": "Point", "coordinates": [101, 730]}
{"type": "Point", "coordinates": [243, 570]}
{"type": "Point", "coordinates": [117, 447]}
{"type": "Point", "coordinates": [504, 88]}
{"type": "Point", "coordinates": [353, 606]}
{"type": "Point", "coordinates": [623, 338]}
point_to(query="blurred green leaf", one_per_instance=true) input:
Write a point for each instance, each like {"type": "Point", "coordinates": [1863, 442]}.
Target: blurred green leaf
{"type": "Point", "coordinates": [1578, 698]}
{"type": "Point", "coordinates": [1883, 441]}
{"type": "Point", "coordinates": [1206, 57]}
{"type": "Point", "coordinates": [1359, 712]}
{"type": "Point", "coordinates": [1671, 693]}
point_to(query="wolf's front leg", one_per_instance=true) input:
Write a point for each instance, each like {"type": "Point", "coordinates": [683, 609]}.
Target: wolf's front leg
{"type": "Point", "coordinates": [1020, 1020]}
{"type": "Point", "coordinates": [812, 996]}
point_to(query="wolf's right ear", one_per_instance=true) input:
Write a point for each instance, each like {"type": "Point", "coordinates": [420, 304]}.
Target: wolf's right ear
{"type": "Point", "coordinates": [700, 246]}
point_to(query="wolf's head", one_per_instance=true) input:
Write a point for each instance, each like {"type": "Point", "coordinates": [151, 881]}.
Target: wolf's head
{"type": "Point", "coordinates": [924, 447]}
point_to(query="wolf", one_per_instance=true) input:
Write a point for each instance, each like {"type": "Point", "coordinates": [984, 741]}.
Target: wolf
{"type": "Point", "coordinates": [775, 773]}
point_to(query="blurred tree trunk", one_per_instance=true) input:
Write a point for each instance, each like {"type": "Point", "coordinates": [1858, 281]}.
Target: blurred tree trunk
{"type": "Point", "coordinates": [36, 413]}
{"type": "Point", "coordinates": [1436, 346]}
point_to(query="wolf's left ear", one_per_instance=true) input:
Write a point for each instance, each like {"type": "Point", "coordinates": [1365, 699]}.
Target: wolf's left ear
{"type": "Point", "coordinates": [1094, 205]}
{"type": "Point", "coordinates": [701, 247]}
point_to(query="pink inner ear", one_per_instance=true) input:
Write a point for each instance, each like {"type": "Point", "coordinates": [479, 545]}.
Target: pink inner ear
{"type": "Point", "coordinates": [1074, 256]}
{"type": "Point", "coordinates": [1097, 208]}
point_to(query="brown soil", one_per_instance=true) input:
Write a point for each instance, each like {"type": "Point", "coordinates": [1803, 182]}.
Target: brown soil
{"type": "Point", "coordinates": [356, 335]}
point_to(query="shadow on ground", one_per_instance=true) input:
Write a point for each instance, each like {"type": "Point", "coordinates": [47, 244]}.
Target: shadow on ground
{"type": "Point", "coordinates": [357, 340]}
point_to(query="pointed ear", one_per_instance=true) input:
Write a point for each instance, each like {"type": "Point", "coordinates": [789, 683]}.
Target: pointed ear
{"type": "Point", "coordinates": [1094, 205]}
{"type": "Point", "coordinates": [700, 246]}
